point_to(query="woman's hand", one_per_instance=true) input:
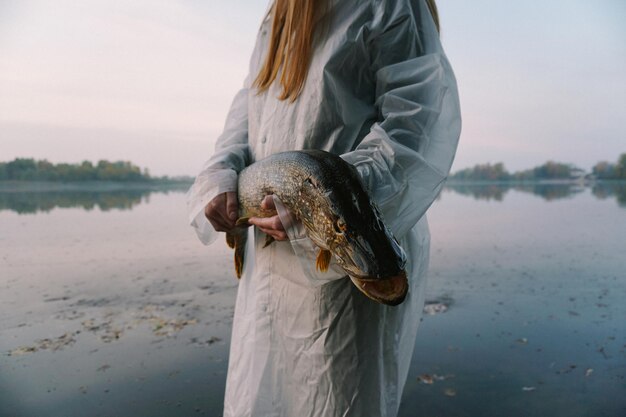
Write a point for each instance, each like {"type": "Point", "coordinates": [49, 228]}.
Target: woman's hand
{"type": "Point", "coordinates": [222, 211]}
{"type": "Point", "coordinates": [270, 225]}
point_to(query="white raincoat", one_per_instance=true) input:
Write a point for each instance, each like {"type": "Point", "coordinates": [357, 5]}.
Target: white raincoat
{"type": "Point", "coordinates": [380, 93]}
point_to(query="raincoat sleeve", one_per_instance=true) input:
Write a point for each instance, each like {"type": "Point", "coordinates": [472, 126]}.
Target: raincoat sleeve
{"type": "Point", "coordinates": [219, 173]}
{"type": "Point", "coordinates": [408, 152]}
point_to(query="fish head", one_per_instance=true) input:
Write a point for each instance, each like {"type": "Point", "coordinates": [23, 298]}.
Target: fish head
{"type": "Point", "coordinates": [347, 222]}
{"type": "Point", "coordinates": [362, 244]}
{"type": "Point", "coordinates": [340, 217]}
{"type": "Point", "coordinates": [367, 250]}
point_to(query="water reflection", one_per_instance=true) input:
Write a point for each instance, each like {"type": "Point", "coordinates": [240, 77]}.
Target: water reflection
{"type": "Point", "coordinates": [551, 192]}
{"type": "Point", "coordinates": [44, 200]}
{"type": "Point", "coordinates": [548, 192]}
{"type": "Point", "coordinates": [607, 190]}
{"type": "Point", "coordinates": [105, 200]}
{"type": "Point", "coordinates": [481, 191]}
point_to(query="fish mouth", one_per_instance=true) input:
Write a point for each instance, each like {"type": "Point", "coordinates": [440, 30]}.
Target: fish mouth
{"type": "Point", "coordinates": [390, 291]}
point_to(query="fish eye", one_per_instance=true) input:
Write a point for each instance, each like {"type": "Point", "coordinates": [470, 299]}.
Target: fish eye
{"type": "Point", "coordinates": [310, 182]}
{"type": "Point", "coordinates": [340, 226]}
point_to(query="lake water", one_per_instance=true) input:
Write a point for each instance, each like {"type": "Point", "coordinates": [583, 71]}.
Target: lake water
{"type": "Point", "coordinates": [109, 306]}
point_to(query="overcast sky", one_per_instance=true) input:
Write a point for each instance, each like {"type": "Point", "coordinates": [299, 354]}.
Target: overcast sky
{"type": "Point", "coordinates": [151, 80]}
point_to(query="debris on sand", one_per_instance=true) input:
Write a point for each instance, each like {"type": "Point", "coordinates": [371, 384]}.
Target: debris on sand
{"type": "Point", "coordinates": [165, 327]}
{"type": "Point", "coordinates": [23, 350]}
{"type": "Point", "coordinates": [430, 379]}
{"type": "Point", "coordinates": [162, 326]}
{"type": "Point", "coordinates": [435, 308]}
{"type": "Point", "coordinates": [104, 329]}
{"type": "Point", "coordinates": [56, 344]}
{"type": "Point", "coordinates": [450, 392]}
{"type": "Point", "coordinates": [438, 306]}
{"type": "Point", "coordinates": [110, 327]}
{"type": "Point", "coordinates": [45, 344]}
{"type": "Point", "coordinates": [210, 341]}
{"type": "Point", "coordinates": [426, 379]}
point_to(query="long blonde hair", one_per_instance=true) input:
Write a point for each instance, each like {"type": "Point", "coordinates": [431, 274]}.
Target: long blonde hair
{"type": "Point", "coordinates": [294, 23]}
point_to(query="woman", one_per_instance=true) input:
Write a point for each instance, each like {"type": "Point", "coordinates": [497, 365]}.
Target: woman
{"type": "Point", "coordinates": [369, 81]}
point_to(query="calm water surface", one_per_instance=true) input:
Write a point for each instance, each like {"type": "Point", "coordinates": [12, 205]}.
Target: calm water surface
{"type": "Point", "coordinates": [109, 306]}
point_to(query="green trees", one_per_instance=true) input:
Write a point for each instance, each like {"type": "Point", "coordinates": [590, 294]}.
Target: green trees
{"type": "Point", "coordinates": [118, 171]}
{"type": "Point", "coordinates": [548, 171]}
{"type": "Point", "coordinates": [604, 170]}
{"type": "Point", "coordinates": [553, 170]}
{"type": "Point", "coordinates": [609, 171]}
{"type": "Point", "coordinates": [621, 167]}
{"type": "Point", "coordinates": [483, 172]}
{"type": "Point", "coordinates": [21, 168]}
{"type": "Point", "coordinates": [497, 172]}
{"type": "Point", "coordinates": [27, 169]}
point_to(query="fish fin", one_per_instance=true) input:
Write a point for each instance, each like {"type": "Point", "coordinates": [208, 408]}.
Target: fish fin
{"type": "Point", "coordinates": [242, 221]}
{"type": "Point", "coordinates": [268, 241]}
{"type": "Point", "coordinates": [323, 260]}
{"type": "Point", "coordinates": [238, 238]}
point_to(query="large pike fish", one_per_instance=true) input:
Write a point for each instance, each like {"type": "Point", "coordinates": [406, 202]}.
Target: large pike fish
{"type": "Point", "coordinates": [325, 193]}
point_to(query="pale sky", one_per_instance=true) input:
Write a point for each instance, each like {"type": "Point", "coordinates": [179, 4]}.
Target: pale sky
{"type": "Point", "coordinates": [151, 80]}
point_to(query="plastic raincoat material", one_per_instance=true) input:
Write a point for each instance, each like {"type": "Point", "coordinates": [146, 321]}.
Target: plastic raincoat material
{"type": "Point", "coordinates": [380, 92]}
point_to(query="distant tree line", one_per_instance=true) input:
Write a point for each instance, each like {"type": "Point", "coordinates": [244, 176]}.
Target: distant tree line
{"type": "Point", "coordinates": [549, 171]}
{"type": "Point", "coordinates": [608, 171]}
{"type": "Point", "coordinates": [483, 172]}
{"type": "Point", "coordinates": [28, 169]}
